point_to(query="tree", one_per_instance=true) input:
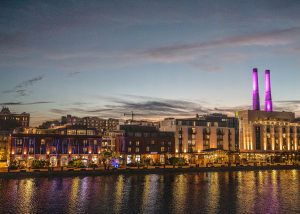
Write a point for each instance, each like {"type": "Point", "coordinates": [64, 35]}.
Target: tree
{"type": "Point", "coordinates": [39, 164]}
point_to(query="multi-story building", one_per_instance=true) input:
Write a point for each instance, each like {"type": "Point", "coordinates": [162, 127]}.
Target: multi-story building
{"type": "Point", "coordinates": [137, 143]}
{"type": "Point", "coordinates": [262, 131]}
{"type": "Point", "coordinates": [195, 136]}
{"type": "Point", "coordinates": [9, 121]}
{"type": "Point", "coordinates": [102, 125]}
{"type": "Point", "coordinates": [4, 148]}
{"type": "Point", "coordinates": [265, 134]}
{"type": "Point", "coordinates": [58, 146]}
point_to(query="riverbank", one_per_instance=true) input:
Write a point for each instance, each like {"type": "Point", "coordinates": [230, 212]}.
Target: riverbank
{"type": "Point", "coordinates": [101, 172]}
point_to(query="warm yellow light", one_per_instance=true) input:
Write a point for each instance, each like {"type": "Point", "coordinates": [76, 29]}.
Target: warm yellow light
{"type": "Point", "coordinates": [90, 152]}
{"type": "Point", "coordinates": [48, 153]}
{"type": "Point", "coordinates": [24, 153]}
{"type": "Point", "coordinates": [13, 152]}
{"type": "Point", "coordinates": [176, 150]}
{"type": "Point", "coordinates": [70, 152]}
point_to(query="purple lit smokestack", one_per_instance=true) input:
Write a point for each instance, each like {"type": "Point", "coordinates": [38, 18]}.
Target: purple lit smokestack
{"type": "Point", "coordinates": [255, 94]}
{"type": "Point", "coordinates": [268, 96]}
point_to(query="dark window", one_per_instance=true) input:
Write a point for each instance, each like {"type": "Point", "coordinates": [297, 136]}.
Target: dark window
{"type": "Point", "coordinates": [257, 137]}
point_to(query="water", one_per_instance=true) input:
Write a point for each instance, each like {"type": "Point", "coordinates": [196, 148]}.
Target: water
{"type": "Point", "coordinates": [215, 192]}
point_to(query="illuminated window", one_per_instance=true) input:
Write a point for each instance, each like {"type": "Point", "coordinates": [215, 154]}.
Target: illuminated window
{"type": "Point", "coordinates": [137, 143]}
{"type": "Point", "coordinates": [30, 151]}
{"type": "Point", "coordinates": [19, 150]}
{"type": "Point", "coordinates": [137, 149]}
{"type": "Point", "coordinates": [129, 149]}
{"type": "Point", "coordinates": [147, 148]}
{"type": "Point", "coordinates": [162, 149]}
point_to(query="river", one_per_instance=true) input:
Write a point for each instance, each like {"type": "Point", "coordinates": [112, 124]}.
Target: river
{"type": "Point", "coordinates": [273, 191]}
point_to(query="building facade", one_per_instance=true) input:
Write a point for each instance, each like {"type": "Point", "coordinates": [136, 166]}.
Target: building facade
{"type": "Point", "coordinates": [138, 143]}
{"type": "Point", "coordinates": [102, 125]}
{"type": "Point", "coordinates": [9, 120]}
{"type": "Point", "coordinates": [196, 136]}
{"type": "Point", "coordinates": [262, 131]}
{"type": "Point", "coordinates": [4, 148]}
{"type": "Point", "coordinates": [59, 146]}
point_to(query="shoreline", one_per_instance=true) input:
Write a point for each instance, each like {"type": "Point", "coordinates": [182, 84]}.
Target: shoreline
{"type": "Point", "coordinates": [97, 172]}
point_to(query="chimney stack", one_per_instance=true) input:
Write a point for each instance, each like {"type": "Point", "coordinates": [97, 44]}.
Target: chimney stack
{"type": "Point", "coordinates": [255, 92]}
{"type": "Point", "coordinates": [268, 95]}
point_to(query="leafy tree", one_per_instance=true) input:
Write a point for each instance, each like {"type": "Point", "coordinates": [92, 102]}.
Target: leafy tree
{"type": "Point", "coordinates": [13, 165]}
{"type": "Point", "coordinates": [39, 164]}
{"type": "Point", "coordinates": [76, 163]}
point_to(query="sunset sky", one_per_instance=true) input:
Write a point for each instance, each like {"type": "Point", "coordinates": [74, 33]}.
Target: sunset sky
{"type": "Point", "coordinates": [156, 58]}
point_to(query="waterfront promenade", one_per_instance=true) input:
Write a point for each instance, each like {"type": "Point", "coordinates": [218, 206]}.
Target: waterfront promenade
{"type": "Point", "coordinates": [70, 172]}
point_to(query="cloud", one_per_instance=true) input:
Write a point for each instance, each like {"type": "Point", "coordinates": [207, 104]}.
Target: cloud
{"type": "Point", "coordinates": [182, 52]}
{"type": "Point", "coordinates": [81, 111]}
{"type": "Point", "coordinates": [59, 111]}
{"type": "Point", "coordinates": [21, 89]}
{"type": "Point", "coordinates": [29, 82]}
{"type": "Point", "coordinates": [21, 103]}
{"type": "Point", "coordinates": [144, 107]}
{"type": "Point", "coordinates": [73, 73]}
{"type": "Point", "coordinates": [288, 101]}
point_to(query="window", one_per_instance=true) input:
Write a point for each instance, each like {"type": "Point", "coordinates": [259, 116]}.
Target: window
{"type": "Point", "coordinates": [162, 149]}
{"type": "Point", "coordinates": [162, 143]}
{"type": "Point", "coordinates": [147, 148]}
{"type": "Point", "coordinates": [129, 149]}
{"type": "Point", "coordinates": [152, 142]}
{"type": "Point", "coordinates": [137, 143]}
{"type": "Point", "coordinates": [30, 151]}
{"type": "Point", "coordinates": [19, 142]}
{"type": "Point", "coordinates": [138, 134]}
{"type": "Point", "coordinates": [138, 158]}
{"type": "Point", "coordinates": [19, 150]}
{"type": "Point", "coordinates": [137, 149]}
{"type": "Point", "coordinates": [84, 150]}
{"type": "Point", "coordinates": [130, 143]}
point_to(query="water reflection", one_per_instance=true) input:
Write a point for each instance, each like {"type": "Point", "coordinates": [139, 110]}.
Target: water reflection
{"type": "Point", "coordinates": [215, 192]}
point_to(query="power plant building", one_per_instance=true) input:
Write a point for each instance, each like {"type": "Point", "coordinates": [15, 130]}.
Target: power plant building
{"type": "Point", "coordinates": [267, 131]}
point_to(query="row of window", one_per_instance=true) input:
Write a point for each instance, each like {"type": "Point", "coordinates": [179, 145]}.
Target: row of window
{"type": "Point", "coordinates": [137, 143]}
{"type": "Point", "coordinates": [137, 149]}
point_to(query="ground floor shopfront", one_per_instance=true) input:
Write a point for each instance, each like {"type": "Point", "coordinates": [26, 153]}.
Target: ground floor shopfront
{"type": "Point", "coordinates": [60, 160]}
{"type": "Point", "coordinates": [207, 158]}
{"type": "Point", "coordinates": [224, 157]}
{"type": "Point", "coordinates": [147, 159]}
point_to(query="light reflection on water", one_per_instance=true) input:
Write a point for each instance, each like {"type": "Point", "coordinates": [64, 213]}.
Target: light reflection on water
{"type": "Point", "coordinates": [214, 192]}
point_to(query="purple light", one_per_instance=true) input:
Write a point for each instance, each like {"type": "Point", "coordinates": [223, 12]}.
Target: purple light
{"type": "Point", "coordinates": [255, 91]}
{"type": "Point", "coordinates": [268, 95]}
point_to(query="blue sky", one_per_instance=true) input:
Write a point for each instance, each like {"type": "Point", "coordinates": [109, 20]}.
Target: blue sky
{"type": "Point", "coordinates": [156, 58]}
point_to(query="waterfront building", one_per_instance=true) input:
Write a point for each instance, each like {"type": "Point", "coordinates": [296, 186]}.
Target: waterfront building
{"type": "Point", "coordinates": [10, 121]}
{"type": "Point", "coordinates": [4, 148]}
{"type": "Point", "coordinates": [59, 145]}
{"type": "Point", "coordinates": [138, 143]}
{"type": "Point", "coordinates": [268, 134]}
{"type": "Point", "coordinates": [196, 136]}
{"type": "Point", "coordinates": [268, 131]}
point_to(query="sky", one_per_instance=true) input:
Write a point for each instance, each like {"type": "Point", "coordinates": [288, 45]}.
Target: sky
{"type": "Point", "coordinates": [156, 58]}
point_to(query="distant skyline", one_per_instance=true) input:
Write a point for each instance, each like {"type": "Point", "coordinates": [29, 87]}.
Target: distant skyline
{"type": "Point", "coordinates": [156, 58]}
